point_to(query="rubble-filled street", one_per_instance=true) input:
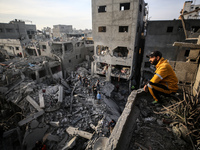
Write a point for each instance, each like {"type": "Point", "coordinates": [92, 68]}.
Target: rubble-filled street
{"type": "Point", "coordinates": [47, 110]}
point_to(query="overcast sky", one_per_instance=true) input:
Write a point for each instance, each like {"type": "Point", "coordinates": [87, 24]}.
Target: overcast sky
{"type": "Point", "coordinates": [45, 13]}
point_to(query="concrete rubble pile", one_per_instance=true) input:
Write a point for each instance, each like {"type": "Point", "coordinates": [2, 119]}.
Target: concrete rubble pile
{"type": "Point", "coordinates": [51, 110]}
{"type": "Point", "coordinates": [153, 129]}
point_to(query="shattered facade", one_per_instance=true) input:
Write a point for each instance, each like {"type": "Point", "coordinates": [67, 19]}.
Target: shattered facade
{"type": "Point", "coordinates": [117, 28]}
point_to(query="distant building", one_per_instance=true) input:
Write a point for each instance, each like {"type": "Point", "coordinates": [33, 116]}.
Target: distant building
{"type": "Point", "coordinates": [61, 30]}
{"type": "Point", "coordinates": [17, 29]}
{"type": "Point", "coordinates": [117, 28]}
{"type": "Point", "coordinates": [188, 7]}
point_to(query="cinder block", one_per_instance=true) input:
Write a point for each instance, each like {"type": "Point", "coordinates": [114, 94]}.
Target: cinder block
{"type": "Point", "coordinates": [186, 66]}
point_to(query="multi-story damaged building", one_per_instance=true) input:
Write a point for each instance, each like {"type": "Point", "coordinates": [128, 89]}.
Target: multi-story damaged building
{"type": "Point", "coordinates": [190, 7]}
{"type": "Point", "coordinates": [61, 30]}
{"type": "Point", "coordinates": [117, 28]}
{"type": "Point", "coordinates": [17, 29]}
{"type": "Point", "coordinates": [70, 53]}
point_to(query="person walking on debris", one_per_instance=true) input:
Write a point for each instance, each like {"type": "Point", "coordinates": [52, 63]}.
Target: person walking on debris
{"type": "Point", "coordinates": [83, 81]}
{"type": "Point", "coordinates": [98, 85]}
{"type": "Point", "coordinates": [111, 125]}
{"type": "Point", "coordinates": [164, 82]}
{"type": "Point", "coordinates": [80, 79]}
{"type": "Point", "coordinates": [94, 90]}
{"type": "Point", "coordinates": [99, 97]}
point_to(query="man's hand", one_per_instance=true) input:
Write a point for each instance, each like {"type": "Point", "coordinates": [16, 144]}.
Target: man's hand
{"type": "Point", "coordinates": [146, 88]}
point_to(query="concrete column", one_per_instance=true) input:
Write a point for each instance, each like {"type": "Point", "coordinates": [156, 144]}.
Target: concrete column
{"type": "Point", "coordinates": [92, 68]}
{"type": "Point", "coordinates": [62, 61]}
{"type": "Point", "coordinates": [108, 73]}
{"type": "Point", "coordinates": [37, 76]}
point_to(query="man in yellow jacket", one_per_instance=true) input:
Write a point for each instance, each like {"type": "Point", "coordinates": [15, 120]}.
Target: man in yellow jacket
{"type": "Point", "coordinates": [164, 81]}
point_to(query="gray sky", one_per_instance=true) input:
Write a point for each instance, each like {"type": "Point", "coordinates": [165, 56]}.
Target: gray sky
{"type": "Point", "coordinates": [78, 13]}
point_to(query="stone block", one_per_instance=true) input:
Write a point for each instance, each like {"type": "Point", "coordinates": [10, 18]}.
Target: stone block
{"type": "Point", "coordinates": [186, 66]}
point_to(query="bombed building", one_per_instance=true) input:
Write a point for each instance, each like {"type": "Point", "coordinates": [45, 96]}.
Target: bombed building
{"type": "Point", "coordinates": [117, 28]}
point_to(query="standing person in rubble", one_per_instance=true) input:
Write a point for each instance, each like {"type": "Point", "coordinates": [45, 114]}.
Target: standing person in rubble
{"type": "Point", "coordinates": [99, 97]}
{"type": "Point", "coordinates": [80, 79]}
{"type": "Point", "coordinates": [98, 85]}
{"type": "Point", "coordinates": [94, 90]}
{"type": "Point", "coordinates": [83, 81]}
{"type": "Point", "coordinates": [164, 82]}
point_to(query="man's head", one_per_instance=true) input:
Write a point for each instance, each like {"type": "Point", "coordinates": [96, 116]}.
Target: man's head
{"type": "Point", "coordinates": [154, 57]}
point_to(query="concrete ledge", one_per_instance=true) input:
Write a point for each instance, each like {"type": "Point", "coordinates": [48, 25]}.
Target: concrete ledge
{"type": "Point", "coordinates": [122, 133]}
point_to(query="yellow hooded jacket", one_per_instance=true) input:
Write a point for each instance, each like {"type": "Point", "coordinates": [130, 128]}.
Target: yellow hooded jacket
{"type": "Point", "coordinates": [165, 75]}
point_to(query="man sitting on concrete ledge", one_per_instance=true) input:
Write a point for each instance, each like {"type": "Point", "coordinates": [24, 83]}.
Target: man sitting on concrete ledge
{"type": "Point", "coordinates": [164, 82]}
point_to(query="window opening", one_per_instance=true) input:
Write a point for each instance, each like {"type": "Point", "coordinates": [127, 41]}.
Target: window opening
{"type": "Point", "coordinates": [124, 6]}
{"type": "Point", "coordinates": [169, 29]}
{"type": "Point", "coordinates": [102, 29]}
{"type": "Point", "coordinates": [101, 9]}
{"type": "Point", "coordinates": [120, 52]}
{"type": "Point", "coordinates": [123, 28]}
{"type": "Point", "coordinates": [140, 8]}
{"type": "Point", "coordinates": [187, 52]}
{"type": "Point", "coordinates": [9, 30]}
{"type": "Point", "coordinates": [44, 47]}
{"type": "Point", "coordinates": [102, 50]}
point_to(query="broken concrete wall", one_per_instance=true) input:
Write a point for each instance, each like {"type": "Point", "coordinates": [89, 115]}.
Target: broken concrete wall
{"type": "Point", "coordinates": [12, 46]}
{"type": "Point", "coordinates": [70, 53]}
{"type": "Point", "coordinates": [121, 135]}
{"type": "Point", "coordinates": [186, 71]}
